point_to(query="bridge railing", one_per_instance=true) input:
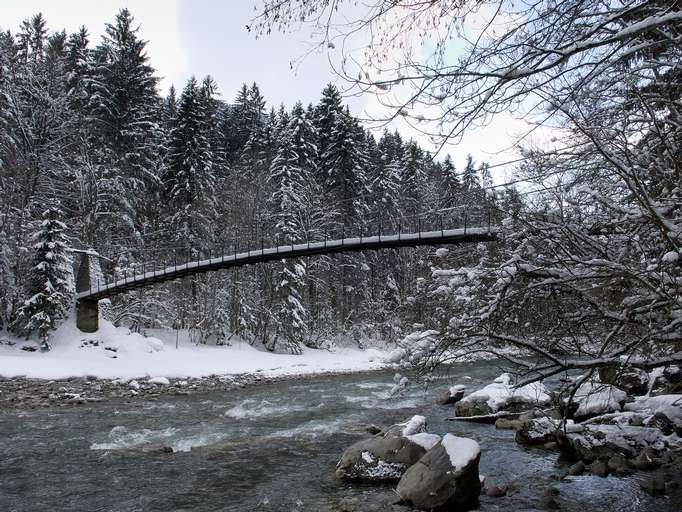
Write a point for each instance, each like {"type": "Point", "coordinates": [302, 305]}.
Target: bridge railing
{"type": "Point", "coordinates": [263, 235]}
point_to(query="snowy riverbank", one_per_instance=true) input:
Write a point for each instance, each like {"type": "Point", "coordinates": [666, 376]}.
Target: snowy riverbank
{"type": "Point", "coordinates": [116, 353]}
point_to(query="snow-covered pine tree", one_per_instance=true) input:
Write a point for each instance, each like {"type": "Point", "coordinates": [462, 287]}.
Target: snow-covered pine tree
{"type": "Point", "coordinates": [190, 180]}
{"type": "Point", "coordinates": [292, 174]}
{"type": "Point", "coordinates": [345, 161]}
{"type": "Point", "coordinates": [327, 111]}
{"type": "Point", "coordinates": [386, 180]}
{"type": "Point", "coordinates": [124, 108]}
{"type": "Point", "coordinates": [412, 179]}
{"type": "Point", "coordinates": [51, 281]}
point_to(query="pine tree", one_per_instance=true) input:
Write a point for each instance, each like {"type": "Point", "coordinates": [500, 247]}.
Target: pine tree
{"type": "Point", "coordinates": [190, 182]}
{"type": "Point", "coordinates": [123, 106]}
{"type": "Point", "coordinates": [51, 280]}
{"type": "Point", "coordinates": [327, 111]}
{"type": "Point", "coordinates": [346, 161]}
{"type": "Point", "coordinates": [386, 179]}
{"type": "Point", "coordinates": [292, 174]}
{"type": "Point", "coordinates": [412, 179]}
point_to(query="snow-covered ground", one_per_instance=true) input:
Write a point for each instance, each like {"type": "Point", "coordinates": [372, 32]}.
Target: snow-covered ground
{"type": "Point", "coordinates": [117, 353]}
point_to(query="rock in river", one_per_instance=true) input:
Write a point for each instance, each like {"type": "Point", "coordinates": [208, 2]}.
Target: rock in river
{"type": "Point", "coordinates": [501, 395]}
{"type": "Point", "coordinates": [446, 476]}
{"type": "Point", "coordinates": [379, 459]}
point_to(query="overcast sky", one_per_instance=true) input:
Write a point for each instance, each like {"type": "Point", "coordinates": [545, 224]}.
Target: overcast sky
{"type": "Point", "coordinates": [199, 37]}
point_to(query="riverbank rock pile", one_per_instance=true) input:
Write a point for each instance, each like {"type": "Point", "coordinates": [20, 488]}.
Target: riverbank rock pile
{"type": "Point", "coordinates": [22, 392]}
{"type": "Point", "coordinates": [432, 472]}
{"type": "Point", "coordinates": [620, 422]}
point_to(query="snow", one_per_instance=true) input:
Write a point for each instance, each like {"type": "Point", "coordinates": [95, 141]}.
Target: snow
{"type": "Point", "coordinates": [414, 425]}
{"type": "Point", "coordinates": [425, 440]}
{"type": "Point", "coordinates": [117, 353]}
{"type": "Point", "coordinates": [367, 457]}
{"type": "Point", "coordinates": [162, 381]}
{"type": "Point", "coordinates": [457, 388]}
{"type": "Point", "coordinates": [501, 393]}
{"type": "Point", "coordinates": [595, 398]}
{"type": "Point", "coordinates": [670, 257]}
{"type": "Point", "coordinates": [461, 450]}
{"type": "Point", "coordinates": [670, 405]}
{"type": "Point", "coordinates": [627, 438]}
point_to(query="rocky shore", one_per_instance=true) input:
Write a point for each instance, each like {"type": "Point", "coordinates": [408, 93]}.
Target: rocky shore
{"type": "Point", "coordinates": [20, 392]}
{"type": "Point", "coordinates": [620, 423]}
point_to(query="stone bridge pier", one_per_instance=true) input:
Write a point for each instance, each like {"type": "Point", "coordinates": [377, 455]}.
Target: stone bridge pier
{"type": "Point", "coordinates": [87, 310]}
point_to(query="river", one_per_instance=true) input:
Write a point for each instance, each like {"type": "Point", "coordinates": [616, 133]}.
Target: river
{"type": "Point", "coordinates": [270, 447]}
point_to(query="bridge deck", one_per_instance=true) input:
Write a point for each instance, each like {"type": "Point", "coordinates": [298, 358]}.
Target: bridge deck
{"type": "Point", "coordinates": [448, 236]}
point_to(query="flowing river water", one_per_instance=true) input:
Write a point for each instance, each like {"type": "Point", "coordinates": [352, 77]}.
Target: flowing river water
{"type": "Point", "coordinates": [271, 447]}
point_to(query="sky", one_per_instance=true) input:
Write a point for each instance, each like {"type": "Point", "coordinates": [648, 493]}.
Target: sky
{"type": "Point", "coordinates": [200, 37]}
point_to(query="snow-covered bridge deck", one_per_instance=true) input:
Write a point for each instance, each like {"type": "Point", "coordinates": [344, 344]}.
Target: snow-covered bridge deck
{"type": "Point", "coordinates": [440, 237]}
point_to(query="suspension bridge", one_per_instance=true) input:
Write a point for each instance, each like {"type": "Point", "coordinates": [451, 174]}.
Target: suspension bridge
{"type": "Point", "coordinates": [91, 290]}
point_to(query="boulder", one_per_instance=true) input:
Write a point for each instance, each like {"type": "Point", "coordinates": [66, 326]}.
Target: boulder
{"type": "Point", "coordinates": [666, 380]}
{"type": "Point", "coordinates": [577, 469]}
{"type": "Point", "coordinates": [653, 486]}
{"type": "Point", "coordinates": [594, 399]}
{"type": "Point", "coordinates": [663, 423]}
{"type": "Point", "coordinates": [604, 441]}
{"type": "Point", "coordinates": [537, 431]}
{"type": "Point", "coordinates": [631, 380]}
{"type": "Point", "coordinates": [414, 425]}
{"type": "Point", "coordinates": [665, 411]}
{"type": "Point", "coordinates": [452, 395]}
{"type": "Point", "coordinates": [618, 464]}
{"type": "Point", "coordinates": [618, 418]}
{"type": "Point", "coordinates": [509, 424]}
{"type": "Point", "coordinates": [599, 468]}
{"type": "Point", "coordinates": [501, 395]}
{"type": "Point", "coordinates": [646, 460]}
{"type": "Point", "coordinates": [447, 475]}
{"type": "Point", "coordinates": [379, 459]}
{"type": "Point", "coordinates": [496, 491]}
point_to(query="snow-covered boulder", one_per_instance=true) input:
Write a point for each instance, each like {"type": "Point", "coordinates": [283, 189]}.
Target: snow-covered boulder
{"type": "Point", "coordinates": [537, 431]}
{"type": "Point", "coordinates": [501, 395]}
{"type": "Point", "coordinates": [414, 425]}
{"type": "Point", "coordinates": [596, 398]}
{"type": "Point", "coordinates": [452, 395]}
{"type": "Point", "coordinates": [379, 459]}
{"type": "Point", "coordinates": [591, 442]}
{"type": "Point", "coordinates": [664, 412]}
{"type": "Point", "coordinates": [631, 380]}
{"type": "Point", "coordinates": [625, 418]}
{"type": "Point", "coordinates": [447, 475]}
{"type": "Point", "coordinates": [666, 380]}
{"type": "Point", "coordinates": [425, 440]}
